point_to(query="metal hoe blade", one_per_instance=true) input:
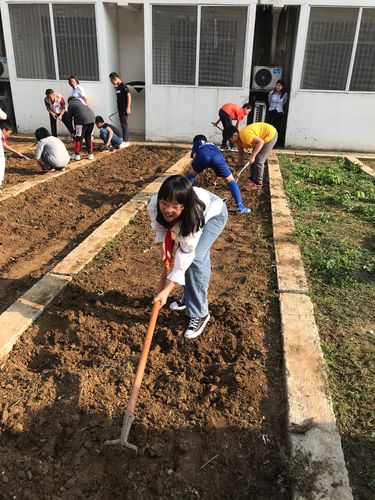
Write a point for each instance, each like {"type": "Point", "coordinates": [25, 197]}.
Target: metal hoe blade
{"type": "Point", "coordinates": [126, 425]}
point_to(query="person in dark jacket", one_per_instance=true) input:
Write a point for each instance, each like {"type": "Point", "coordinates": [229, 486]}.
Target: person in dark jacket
{"type": "Point", "coordinates": [124, 100]}
{"type": "Point", "coordinates": [84, 120]}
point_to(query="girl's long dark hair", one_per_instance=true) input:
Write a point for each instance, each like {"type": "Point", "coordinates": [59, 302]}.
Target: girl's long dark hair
{"type": "Point", "coordinates": [177, 188]}
{"type": "Point", "coordinates": [283, 84]}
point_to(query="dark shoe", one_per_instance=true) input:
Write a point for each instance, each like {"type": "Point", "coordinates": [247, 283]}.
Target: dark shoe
{"type": "Point", "coordinates": [177, 305]}
{"type": "Point", "coordinates": [196, 327]}
{"type": "Point", "coordinates": [47, 169]}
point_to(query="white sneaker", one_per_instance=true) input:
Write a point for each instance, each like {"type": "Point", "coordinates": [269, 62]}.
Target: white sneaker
{"type": "Point", "coordinates": [196, 327]}
{"type": "Point", "coordinates": [90, 156]}
{"type": "Point", "coordinates": [124, 145]}
{"type": "Point", "coordinates": [177, 305]}
{"type": "Point", "coordinates": [75, 157]}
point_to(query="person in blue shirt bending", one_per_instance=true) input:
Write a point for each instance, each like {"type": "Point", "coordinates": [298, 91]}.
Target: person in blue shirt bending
{"type": "Point", "coordinates": [207, 155]}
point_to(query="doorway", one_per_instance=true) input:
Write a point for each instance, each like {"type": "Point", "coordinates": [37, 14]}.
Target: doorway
{"type": "Point", "coordinates": [272, 59]}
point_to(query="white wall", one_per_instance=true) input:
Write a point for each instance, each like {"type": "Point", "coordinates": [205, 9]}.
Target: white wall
{"type": "Point", "coordinates": [132, 63]}
{"type": "Point", "coordinates": [177, 113]}
{"type": "Point", "coordinates": [331, 121]}
{"type": "Point", "coordinates": [327, 119]}
{"type": "Point", "coordinates": [28, 95]}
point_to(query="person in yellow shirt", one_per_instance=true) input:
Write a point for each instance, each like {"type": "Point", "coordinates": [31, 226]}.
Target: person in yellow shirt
{"type": "Point", "coordinates": [259, 136]}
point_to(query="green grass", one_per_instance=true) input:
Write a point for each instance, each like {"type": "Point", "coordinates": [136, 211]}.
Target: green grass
{"type": "Point", "coordinates": [333, 205]}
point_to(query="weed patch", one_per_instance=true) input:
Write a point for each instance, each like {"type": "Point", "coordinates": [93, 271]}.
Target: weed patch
{"type": "Point", "coordinates": [333, 206]}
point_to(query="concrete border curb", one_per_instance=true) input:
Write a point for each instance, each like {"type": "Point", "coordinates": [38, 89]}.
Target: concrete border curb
{"type": "Point", "coordinates": [365, 168]}
{"type": "Point", "coordinates": [22, 313]}
{"type": "Point", "coordinates": [312, 427]}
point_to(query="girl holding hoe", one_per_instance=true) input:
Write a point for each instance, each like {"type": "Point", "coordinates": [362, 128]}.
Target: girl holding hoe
{"type": "Point", "coordinates": [194, 218]}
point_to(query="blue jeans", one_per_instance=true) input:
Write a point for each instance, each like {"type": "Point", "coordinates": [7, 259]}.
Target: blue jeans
{"type": "Point", "coordinates": [197, 276]}
{"type": "Point", "coordinates": [115, 141]}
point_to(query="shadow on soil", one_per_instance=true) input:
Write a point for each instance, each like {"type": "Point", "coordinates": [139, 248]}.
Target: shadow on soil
{"type": "Point", "coordinates": [74, 396]}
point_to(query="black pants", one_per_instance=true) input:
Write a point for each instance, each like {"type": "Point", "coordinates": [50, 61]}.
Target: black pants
{"type": "Point", "coordinates": [83, 131]}
{"type": "Point", "coordinates": [278, 121]}
{"type": "Point", "coordinates": [124, 124]}
{"type": "Point", "coordinates": [64, 119]}
{"type": "Point", "coordinates": [226, 120]}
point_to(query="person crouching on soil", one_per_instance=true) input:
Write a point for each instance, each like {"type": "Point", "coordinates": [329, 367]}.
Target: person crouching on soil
{"type": "Point", "coordinates": [259, 136]}
{"type": "Point", "coordinates": [51, 152]}
{"type": "Point", "coordinates": [207, 155]}
{"type": "Point", "coordinates": [194, 218]}
{"type": "Point", "coordinates": [109, 134]}
{"type": "Point", "coordinates": [6, 133]}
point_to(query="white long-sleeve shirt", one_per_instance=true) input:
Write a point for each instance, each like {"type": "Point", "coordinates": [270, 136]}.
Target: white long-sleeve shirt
{"type": "Point", "coordinates": [185, 252]}
{"type": "Point", "coordinates": [277, 101]}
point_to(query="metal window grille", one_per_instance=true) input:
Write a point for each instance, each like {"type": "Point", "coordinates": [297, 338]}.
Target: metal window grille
{"type": "Point", "coordinates": [222, 46]}
{"type": "Point", "coordinates": [328, 48]}
{"type": "Point", "coordinates": [174, 39]}
{"type": "Point", "coordinates": [363, 76]}
{"type": "Point", "coordinates": [32, 41]}
{"type": "Point", "coordinates": [76, 40]}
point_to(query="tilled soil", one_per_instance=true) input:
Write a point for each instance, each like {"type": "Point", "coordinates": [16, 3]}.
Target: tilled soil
{"type": "Point", "coordinates": [18, 170]}
{"type": "Point", "coordinates": [210, 420]}
{"type": "Point", "coordinates": [40, 226]}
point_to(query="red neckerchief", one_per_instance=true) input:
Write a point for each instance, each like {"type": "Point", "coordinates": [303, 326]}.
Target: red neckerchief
{"type": "Point", "coordinates": [168, 242]}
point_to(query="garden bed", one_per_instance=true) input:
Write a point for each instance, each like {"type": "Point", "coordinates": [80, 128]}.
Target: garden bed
{"type": "Point", "coordinates": [211, 415]}
{"type": "Point", "coordinates": [40, 226]}
{"type": "Point", "coordinates": [333, 208]}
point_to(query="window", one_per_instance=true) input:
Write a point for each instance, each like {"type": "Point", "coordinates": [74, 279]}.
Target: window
{"type": "Point", "coordinates": [363, 77]}
{"type": "Point", "coordinates": [329, 47]}
{"type": "Point", "coordinates": [75, 36]}
{"type": "Point", "coordinates": [222, 46]}
{"type": "Point", "coordinates": [75, 33]}
{"type": "Point", "coordinates": [219, 56]}
{"type": "Point", "coordinates": [32, 41]}
{"type": "Point", "coordinates": [174, 38]}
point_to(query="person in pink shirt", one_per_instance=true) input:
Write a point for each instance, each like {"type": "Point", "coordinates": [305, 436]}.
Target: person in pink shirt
{"type": "Point", "coordinates": [231, 112]}
{"type": "Point", "coordinates": [56, 107]}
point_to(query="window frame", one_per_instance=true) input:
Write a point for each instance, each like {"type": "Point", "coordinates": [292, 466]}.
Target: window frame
{"type": "Point", "coordinates": [351, 62]}
{"type": "Point", "coordinates": [197, 49]}
{"type": "Point", "coordinates": [54, 43]}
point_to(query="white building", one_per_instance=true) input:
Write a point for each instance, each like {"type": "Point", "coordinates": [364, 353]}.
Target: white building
{"type": "Point", "coordinates": [195, 56]}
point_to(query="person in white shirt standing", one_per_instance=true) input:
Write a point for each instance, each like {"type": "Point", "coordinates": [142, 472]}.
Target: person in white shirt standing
{"type": "Point", "coordinates": [194, 218]}
{"type": "Point", "coordinates": [3, 116]}
{"type": "Point", "coordinates": [277, 100]}
{"type": "Point", "coordinates": [77, 91]}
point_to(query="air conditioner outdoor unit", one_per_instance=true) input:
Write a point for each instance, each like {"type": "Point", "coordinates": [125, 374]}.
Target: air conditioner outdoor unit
{"type": "Point", "coordinates": [4, 74]}
{"type": "Point", "coordinates": [265, 77]}
{"type": "Point", "coordinates": [260, 109]}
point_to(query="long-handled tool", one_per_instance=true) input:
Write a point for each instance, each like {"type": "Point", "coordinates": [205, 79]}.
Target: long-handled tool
{"type": "Point", "coordinates": [241, 170]}
{"type": "Point", "coordinates": [217, 126]}
{"type": "Point", "coordinates": [113, 114]}
{"type": "Point", "coordinates": [24, 156]}
{"type": "Point", "coordinates": [130, 409]}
